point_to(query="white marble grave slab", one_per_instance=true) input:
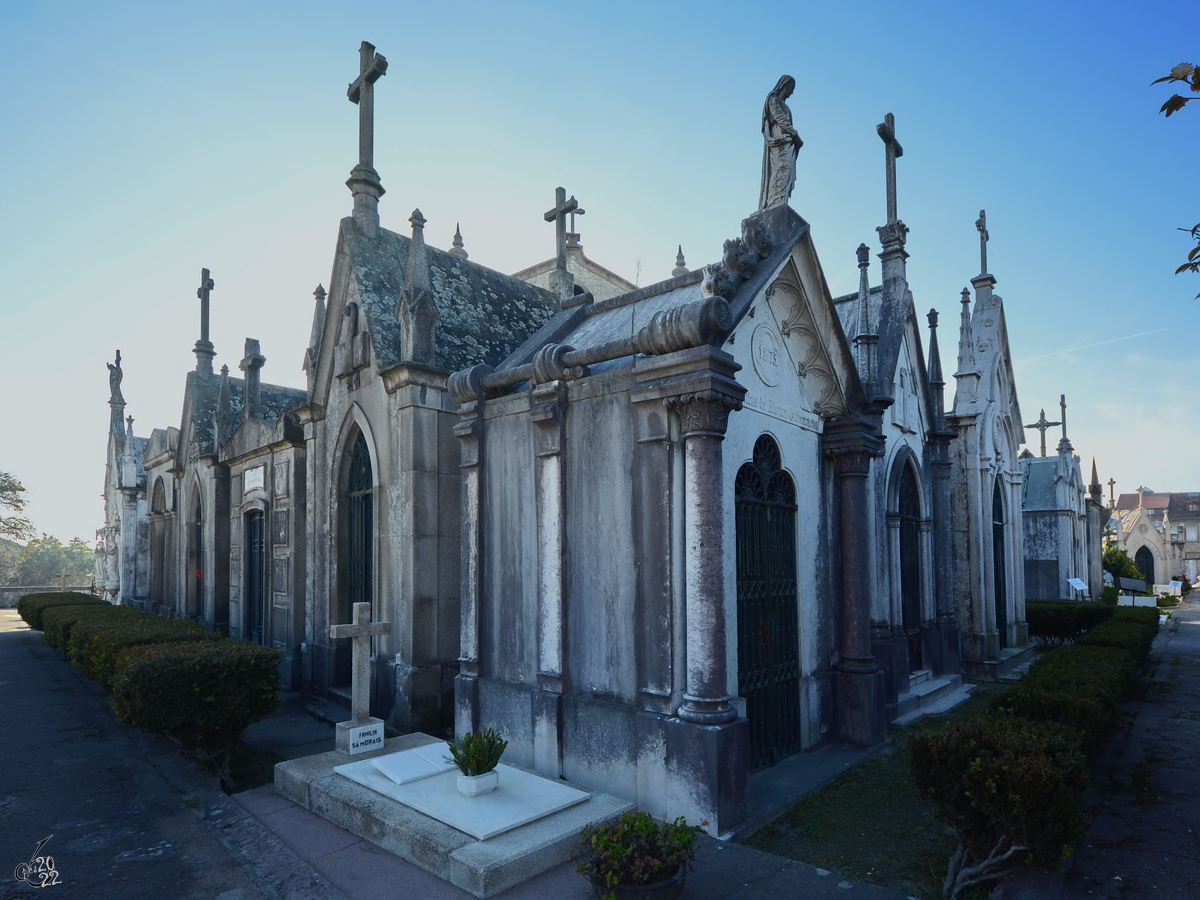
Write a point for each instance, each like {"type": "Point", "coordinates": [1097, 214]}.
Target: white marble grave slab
{"type": "Point", "coordinates": [519, 798]}
{"type": "Point", "coordinates": [415, 764]}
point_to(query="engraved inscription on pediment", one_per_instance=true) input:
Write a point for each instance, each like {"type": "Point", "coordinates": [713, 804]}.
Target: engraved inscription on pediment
{"type": "Point", "coordinates": [808, 341]}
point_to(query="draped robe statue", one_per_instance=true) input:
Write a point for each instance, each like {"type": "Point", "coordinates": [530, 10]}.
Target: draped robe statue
{"type": "Point", "coordinates": [781, 145]}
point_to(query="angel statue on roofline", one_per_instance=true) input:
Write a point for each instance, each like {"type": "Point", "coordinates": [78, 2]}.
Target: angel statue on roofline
{"type": "Point", "coordinates": [781, 146]}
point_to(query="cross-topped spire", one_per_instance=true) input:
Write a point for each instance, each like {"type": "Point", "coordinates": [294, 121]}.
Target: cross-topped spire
{"type": "Point", "coordinates": [563, 284]}
{"type": "Point", "coordinates": [887, 132]}
{"type": "Point", "coordinates": [204, 348]}
{"type": "Point", "coordinates": [364, 181]}
{"type": "Point", "coordinates": [1064, 446]}
{"type": "Point", "coordinates": [1042, 425]}
{"type": "Point", "coordinates": [981, 226]}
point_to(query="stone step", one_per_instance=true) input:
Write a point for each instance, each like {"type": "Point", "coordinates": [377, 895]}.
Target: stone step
{"type": "Point", "coordinates": [920, 697]}
{"type": "Point", "coordinates": [1016, 673]}
{"type": "Point", "coordinates": [940, 703]}
{"type": "Point", "coordinates": [918, 677]}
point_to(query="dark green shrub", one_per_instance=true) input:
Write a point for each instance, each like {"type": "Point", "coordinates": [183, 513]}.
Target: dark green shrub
{"type": "Point", "coordinates": [57, 621]}
{"type": "Point", "coordinates": [1086, 718]}
{"type": "Point", "coordinates": [478, 753]}
{"type": "Point", "coordinates": [1167, 600]}
{"type": "Point", "coordinates": [1110, 596]}
{"type": "Point", "coordinates": [202, 694]}
{"type": "Point", "coordinates": [96, 643]}
{"type": "Point", "coordinates": [635, 850]}
{"type": "Point", "coordinates": [1133, 637]}
{"type": "Point", "coordinates": [1003, 782]}
{"type": "Point", "coordinates": [31, 606]}
{"type": "Point", "coordinates": [1056, 622]}
{"type": "Point", "coordinates": [1106, 673]}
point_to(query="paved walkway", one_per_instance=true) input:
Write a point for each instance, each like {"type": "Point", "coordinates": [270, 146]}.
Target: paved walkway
{"type": "Point", "coordinates": [132, 819]}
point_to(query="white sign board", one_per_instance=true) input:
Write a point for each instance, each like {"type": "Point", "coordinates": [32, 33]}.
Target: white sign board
{"type": "Point", "coordinates": [366, 737]}
{"type": "Point", "coordinates": [1175, 584]}
{"type": "Point", "coordinates": [254, 478]}
{"type": "Point", "coordinates": [1077, 584]}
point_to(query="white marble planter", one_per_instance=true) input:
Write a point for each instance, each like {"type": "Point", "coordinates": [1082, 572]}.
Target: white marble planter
{"type": "Point", "coordinates": [474, 785]}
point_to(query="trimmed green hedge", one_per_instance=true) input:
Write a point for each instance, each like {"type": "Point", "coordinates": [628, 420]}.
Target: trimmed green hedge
{"type": "Point", "coordinates": [57, 621]}
{"type": "Point", "coordinates": [996, 777]}
{"type": "Point", "coordinates": [1061, 621]}
{"type": "Point", "coordinates": [31, 606]}
{"type": "Point", "coordinates": [204, 694]}
{"type": "Point", "coordinates": [96, 643]}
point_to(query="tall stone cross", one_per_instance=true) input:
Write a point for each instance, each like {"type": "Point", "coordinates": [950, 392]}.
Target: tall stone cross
{"type": "Point", "coordinates": [206, 286]}
{"type": "Point", "coordinates": [887, 131]}
{"type": "Point", "coordinates": [558, 215]}
{"type": "Point", "coordinates": [371, 66]}
{"type": "Point", "coordinates": [360, 634]}
{"type": "Point", "coordinates": [981, 225]}
{"type": "Point", "coordinates": [1042, 425]}
{"type": "Point", "coordinates": [1111, 483]}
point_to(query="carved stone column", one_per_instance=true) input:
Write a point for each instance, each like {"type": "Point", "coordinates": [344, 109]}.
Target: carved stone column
{"type": "Point", "coordinates": [704, 416]}
{"type": "Point", "coordinates": [858, 683]}
{"type": "Point", "coordinates": [548, 406]}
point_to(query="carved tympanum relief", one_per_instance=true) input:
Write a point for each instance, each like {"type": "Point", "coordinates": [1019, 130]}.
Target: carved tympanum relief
{"type": "Point", "coordinates": [808, 341]}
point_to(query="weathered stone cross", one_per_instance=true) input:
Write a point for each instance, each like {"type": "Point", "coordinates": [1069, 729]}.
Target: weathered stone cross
{"type": "Point", "coordinates": [558, 216]}
{"type": "Point", "coordinates": [887, 131]}
{"type": "Point", "coordinates": [371, 66]}
{"type": "Point", "coordinates": [1041, 425]}
{"type": "Point", "coordinates": [981, 225]}
{"type": "Point", "coordinates": [360, 634]}
{"type": "Point", "coordinates": [1111, 484]}
{"type": "Point", "coordinates": [206, 286]}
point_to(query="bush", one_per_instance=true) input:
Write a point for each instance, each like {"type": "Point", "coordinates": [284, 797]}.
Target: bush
{"type": "Point", "coordinates": [478, 753]}
{"type": "Point", "coordinates": [1131, 636]}
{"type": "Point", "coordinates": [1106, 673]}
{"type": "Point", "coordinates": [635, 850]}
{"type": "Point", "coordinates": [199, 692]}
{"type": "Point", "coordinates": [1060, 622]}
{"type": "Point", "coordinates": [31, 606]}
{"type": "Point", "coordinates": [1167, 600]}
{"type": "Point", "coordinates": [1110, 596]}
{"type": "Point", "coordinates": [58, 621]}
{"type": "Point", "coordinates": [1086, 718]}
{"type": "Point", "coordinates": [96, 643]}
{"type": "Point", "coordinates": [1007, 786]}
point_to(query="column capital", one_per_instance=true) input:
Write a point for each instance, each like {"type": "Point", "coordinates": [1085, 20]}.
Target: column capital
{"type": "Point", "coordinates": [704, 413]}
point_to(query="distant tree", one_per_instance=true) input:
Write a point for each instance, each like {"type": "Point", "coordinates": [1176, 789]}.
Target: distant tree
{"type": "Point", "coordinates": [45, 559]}
{"type": "Point", "coordinates": [11, 498]}
{"type": "Point", "coordinates": [1119, 565]}
{"type": "Point", "coordinates": [1187, 74]}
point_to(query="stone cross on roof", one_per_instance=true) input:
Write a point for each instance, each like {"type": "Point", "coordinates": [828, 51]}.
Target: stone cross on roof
{"type": "Point", "coordinates": [1042, 425]}
{"type": "Point", "coordinates": [887, 131]}
{"type": "Point", "coordinates": [204, 348]}
{"type": "Point", "coordinates": [1064, 446]}
{"type": "Point", "coordinates": [1111, 483]}
{"type": "Point", "coordinates": [981, 225]}
{"type": "Point", "coordinates": [562, 285]}
{"type": "Point", "coordinates": [360, 634]}
{"type": "Point", "coordinates": [364, 181]}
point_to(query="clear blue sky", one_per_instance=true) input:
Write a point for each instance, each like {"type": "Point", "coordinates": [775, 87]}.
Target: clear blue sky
{"type": "Point", "coordinates": [143, 141]}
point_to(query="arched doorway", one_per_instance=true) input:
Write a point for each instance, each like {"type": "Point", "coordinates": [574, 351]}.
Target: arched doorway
{"type": "Point", "coordinates": [999, 567]}
{"type": "Point", "coordinates": [355, 563]}
{"type": "Point", "coordinates": [158, 543]}
{"type": "Point", "coordinates": [1144, 560]}
{"type": "Point", "coordinates": [196, 561]}
{"type": "Point", "coordinates": [255, 590]}
{"type": "Point", "coordinates": [909, 508]}
{"type": "Point", "coordinates": [768, 618]}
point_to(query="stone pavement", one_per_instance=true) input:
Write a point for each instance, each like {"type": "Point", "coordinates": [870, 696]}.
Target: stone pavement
{"type": "Point", "coordinates": [1145, 793]}
{"type": "Point", "coordinates": [131, 818]}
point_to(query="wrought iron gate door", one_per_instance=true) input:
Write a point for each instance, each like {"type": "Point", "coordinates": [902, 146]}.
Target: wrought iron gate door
{"type": "Point", "coordinates": [768, 618]}
{"type": "Point", "coordinates": [356, 558]}
{"type": "Point", "coordinates": [910, 566]}
{"type": "Point", "coordinates": [998, 565]}
{"type": "Point", "coordinates": [256, 576]}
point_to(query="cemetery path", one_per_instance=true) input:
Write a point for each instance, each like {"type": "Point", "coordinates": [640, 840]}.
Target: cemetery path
{"type": "Point", "coordinates": [1145, 835]}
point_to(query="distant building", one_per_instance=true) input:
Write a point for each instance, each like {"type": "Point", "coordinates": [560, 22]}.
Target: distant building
{"type": "Point", "coordinates": [1160, 532]}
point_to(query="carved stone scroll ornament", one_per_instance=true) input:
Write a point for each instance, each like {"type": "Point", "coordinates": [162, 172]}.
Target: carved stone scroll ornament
{"type": "Point", "coordinates": [739, 260]}
{"type": "Point", "coordinates": [704, 412]}
{"type": "Point", "coordinates": [467, 385]}
{"type": "Point", "coordinates": [814, 367]}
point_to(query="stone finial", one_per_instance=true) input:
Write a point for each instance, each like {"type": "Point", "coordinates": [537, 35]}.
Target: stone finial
{"type": "Point", "coordinates": [966, 340]}
{"type": "Point", "coordinates": [935, 356]}
{"type": "Point", "coordinates": [681, 266]}
{"type": "Point", "coordinates": [457, 244]}
{"type": "Point", "coordinates": [1064, 445]}
{"type": "Point", "coordinates": [416, 311]}
{"type": "Point", "coordinates": [251, 363]}
{"type": "Point", "coordinates": [223, 417]}
{"type": "Point", "coordinates": [314, 336]}
{"type": "Point", "coordinates": [866, 341]}
{"type": "Point", "coordinates": [204, 349]}
{"type": "Point", "coordinates": [129, 434]}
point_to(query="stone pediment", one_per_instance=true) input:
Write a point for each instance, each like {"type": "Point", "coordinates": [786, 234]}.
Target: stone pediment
{"type": "Point", "coordinates": [806, 338]}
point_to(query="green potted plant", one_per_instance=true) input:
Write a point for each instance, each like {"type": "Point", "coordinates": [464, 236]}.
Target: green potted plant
{"type": "Point", "coordinates": [477, 756]}
{"type": "Point", "coordinates": [636, 856]}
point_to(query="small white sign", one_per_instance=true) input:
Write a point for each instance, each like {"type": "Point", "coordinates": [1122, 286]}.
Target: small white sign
{"type": "Point", "coordinates": [366, 737]}
{"type": "Point", "coordinates": [254, 478]}
{"type": "Point", "coordinates": [1077, 584]}
{"type": "Point", "coordinates": [1175, 584]}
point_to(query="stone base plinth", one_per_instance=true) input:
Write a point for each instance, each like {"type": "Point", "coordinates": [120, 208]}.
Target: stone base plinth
{"type": "Point", "coordinates": [342, 732]}
{"type": "Point", "coordinates": [483, 868]}
{"type": "Point", "coordinates": [861, 708]}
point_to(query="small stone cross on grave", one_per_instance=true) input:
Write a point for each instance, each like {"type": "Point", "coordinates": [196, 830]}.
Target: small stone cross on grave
{"type": "Point", "coordinates": [1042, 425]}
{"type": "Point", "coordinates": [360, 634]}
